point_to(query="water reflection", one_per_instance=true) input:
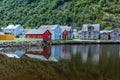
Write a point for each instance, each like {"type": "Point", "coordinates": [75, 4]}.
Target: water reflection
{"type": "Point", "coordinates": [16, 54]}
{"type": "Point", "coordinates": [43, 54]}
{"type": "Point", "coordinates": [89, 53]}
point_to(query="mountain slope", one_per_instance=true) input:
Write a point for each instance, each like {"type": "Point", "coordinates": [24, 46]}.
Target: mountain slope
{"type": "Point", "coordinates": [33, 13]}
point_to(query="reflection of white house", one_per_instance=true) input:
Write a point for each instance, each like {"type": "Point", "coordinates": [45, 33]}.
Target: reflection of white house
{"type": "Point", "coordinates": [16, 54]}
{"type": "Point", "coordinates": [41, 57]}
{"type": "Point", "coordinates": [84, 52]}
{"type": "Point", "coordinates": [74, 49]}
{"type": "Point", "coordinates": [95, 50]}
{"type": "Point", "coordinates": [90, 31]}
{"type": "Point", "coordinates": [89, 53]}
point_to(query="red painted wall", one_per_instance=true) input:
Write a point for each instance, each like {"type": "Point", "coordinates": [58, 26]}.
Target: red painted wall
{"type": "Point", "coordinates": [38, 36]}
{"type": "Point", "coordinates": [46, 36]}
{"type": "Point", "coordinates": [64, 34]}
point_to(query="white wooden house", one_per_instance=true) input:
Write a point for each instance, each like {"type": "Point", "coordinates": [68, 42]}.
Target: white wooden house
{"type": "Point", "coordinates": [90, 32]}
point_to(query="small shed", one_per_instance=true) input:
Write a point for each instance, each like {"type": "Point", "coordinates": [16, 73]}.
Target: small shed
{"type": "Point", "coordinates": [64, 32]}
{"type": "Point", "coordinates": [114, 35]}
{"type": "Point", "coordinates": [69, 31]}
{"type": "Point", "coordinates": [104, 35]}
{"type": "Point", "coordinates": [16, 54]}
{"type": "Point", "coordinates": [7, 37]}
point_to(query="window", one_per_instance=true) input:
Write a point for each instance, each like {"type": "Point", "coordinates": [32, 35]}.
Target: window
{"type": "Point", "coordinates": [90, 28]}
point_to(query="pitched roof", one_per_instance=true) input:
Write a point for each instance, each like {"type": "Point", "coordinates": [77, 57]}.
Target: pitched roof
{"type": "Point", "coordinates": [68, 28]}
{"type": "Point", "coordinates": [27, 30]}
{"type": "Point", "coordinates": [63, 30]}
{"type": "Point", "coordinates": [41, 31]}
{"type": "Point", "coordinates": [95, 26]}
{"type": "Point", "coordinates": [12, 26]}
{"type": "Point", "coordinates": [41, 57]}
{"type": "Point", "coordinates": [49, 27]}
{"type": "Point", "coordinates": [16, 54]}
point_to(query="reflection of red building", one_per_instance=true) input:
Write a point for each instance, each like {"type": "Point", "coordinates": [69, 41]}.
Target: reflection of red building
{"type": "Point", "coordinates": [64, 34]}
{"type": "Point", "coordinates": [64, 49]}
{"type": "Point", "coordinates": [46, 52]}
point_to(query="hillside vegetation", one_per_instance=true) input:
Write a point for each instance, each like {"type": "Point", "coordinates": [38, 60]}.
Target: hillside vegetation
{"type": "Point", "coordinates": [33, 13]}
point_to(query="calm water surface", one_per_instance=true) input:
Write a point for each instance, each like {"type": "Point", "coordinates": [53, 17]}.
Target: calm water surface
{"type": "Point", "coordinates": [74, 62]}
{"type": "Point", "coordinates": [88, 53]}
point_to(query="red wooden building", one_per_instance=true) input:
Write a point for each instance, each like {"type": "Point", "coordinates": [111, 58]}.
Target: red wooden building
{"type": "Point", "coordinates": [64, 34]}
{"type": "Point", "coordinates": [45, 35]}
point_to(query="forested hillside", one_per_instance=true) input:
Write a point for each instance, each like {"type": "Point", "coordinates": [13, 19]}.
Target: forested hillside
{"type": "Point", "coordinates": [33, 13]}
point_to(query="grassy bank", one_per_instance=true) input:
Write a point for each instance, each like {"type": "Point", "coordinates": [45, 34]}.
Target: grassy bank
{"type": "Point", "coordinates": [33, 69]}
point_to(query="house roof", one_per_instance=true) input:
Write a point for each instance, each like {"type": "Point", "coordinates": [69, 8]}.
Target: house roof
{"type": "Point", "coordinates": [16, 54]}
{"type": "Point", "coordinates": [27, 30]}
{"type": "Point", "coordinates": [63, 30]}
{"type": "Point", "coordinates": [49, 27]}
{"type": "Point", "coordinates": [104, 31]}
{"type": "Point", "coordinates": [95, 26]}
{"type": "Point", "coordinates": [41, 31]}
{"type": "Point", "coordinates": [41, 57]}
{"type": "Point", "coordinates": [68, 28]}
{"type": "Point", "coordinates": [12, 26]}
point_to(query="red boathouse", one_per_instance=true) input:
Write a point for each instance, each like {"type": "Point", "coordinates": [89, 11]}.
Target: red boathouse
{"type": "Point", "coordinates": [64, 34]}
{"type": "Point", "coordinates": [45, 35]}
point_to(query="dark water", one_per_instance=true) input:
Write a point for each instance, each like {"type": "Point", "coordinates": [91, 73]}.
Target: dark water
{"type": "Point", "coordinates": [88, 53]}
{"type": "Point", "coordinates": [74, 62]}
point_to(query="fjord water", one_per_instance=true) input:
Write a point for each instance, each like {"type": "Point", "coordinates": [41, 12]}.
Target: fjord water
{"type": "Point", "coordinates": [88, 52]}
{"type": "Point", "coordinates": [92, 53]}
{"type": "Point", "coordinates": [70, 62]}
